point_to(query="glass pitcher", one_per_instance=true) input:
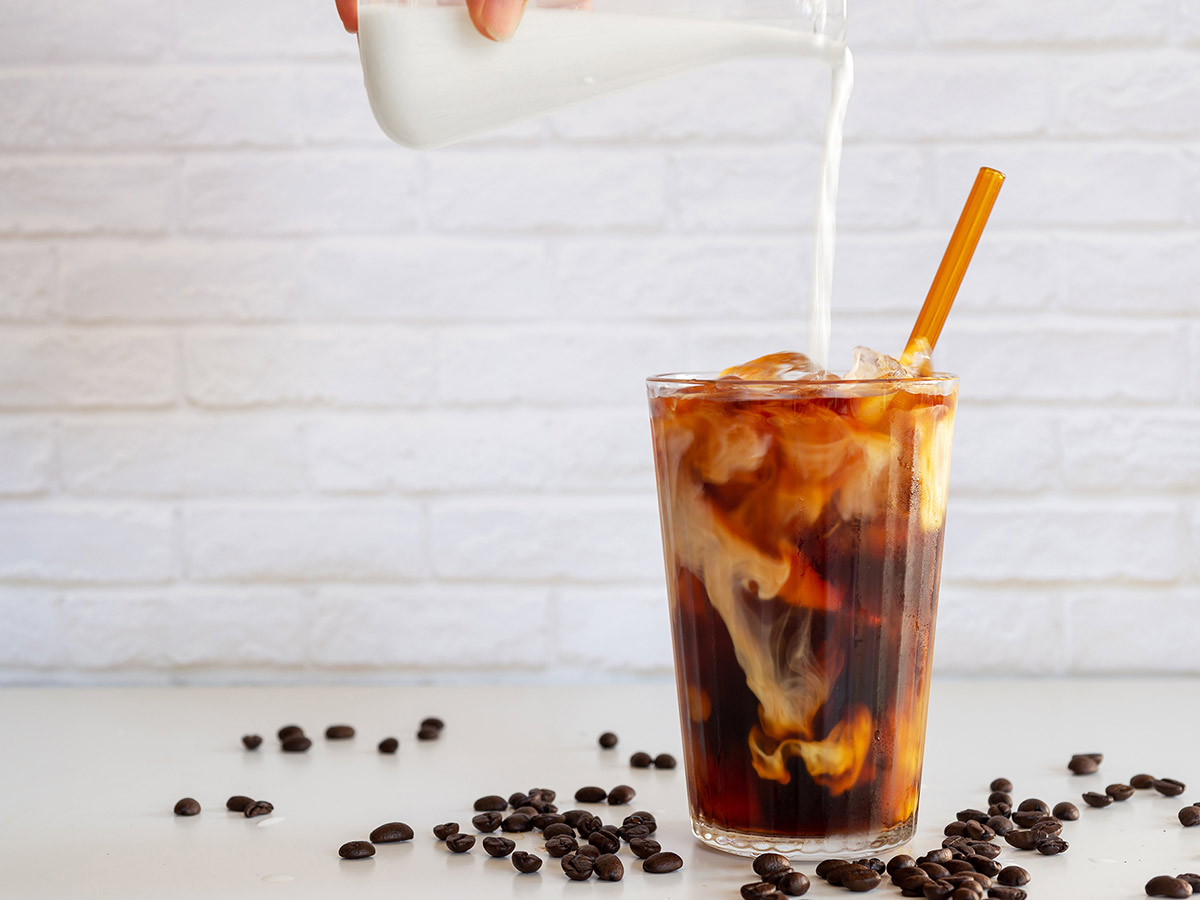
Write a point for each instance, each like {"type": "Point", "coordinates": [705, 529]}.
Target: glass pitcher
{"type": "Point", "coordinates": [433, 80]}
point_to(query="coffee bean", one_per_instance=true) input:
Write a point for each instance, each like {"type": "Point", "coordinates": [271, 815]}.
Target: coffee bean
{"type": "Point", "coordinates": [258, 808]}
{"type": "Point", "coordinates": [187, 807]}
{"type": "Point", "coordinates": [1083, 765]}
{"type": "Point", "coordinates": [433, 722]}
{"type": "Point", "coordinates": [488, 822]}
{"type": "Point", "coordinates": [794, 884]}
{"type": "Point", "coordinates": [608, 740]}
{"type": "Point", "coordinates": [1000, 809]}
{"type": "Point", "coordinates": [1013, 875]}
{"type": "Point", "coordinates": [605, 841]}
{"type": "Point", "coordinates": [758, 890]}
{"type": "Point", "coordinates": [578, 866]}
{"type": "Point", "coordinates": [976, 831]}
{"type": "Point", "coordinates": [251, 741]}
{"type": "Point", "coordinates": [1001, 892]}
{"type": "Point", "coordinates": [238, 803]}
{"type": "Point", "coordinates": [1033, 805]}
{"type": "Point", "coordinates": [1097, 758]}
{"type": "Point", "coordinates": [1142, 781]}
{"type": "Point", "coordinates": [968, 815]}
{"type": "Point", "coordinates": [958, 866]}
{"type": "Point", "coordinates": [1000, 825]}
{"type": "Point", "coordinates": [1189, 816]}
{"type": "Point", "coordinates": [297, 743]}
{"type": "Point", "coordinates": [824, 867]}
{"type": "Point", "coordinates": [1002, 784]}
{"type": "Point", "coordinates": [643, 817]}
{"type": "Point", "coordinates": [873, 863]}
{"type": "Point", "coordinates": [542, 821]}
{"type": "Point", "coordinates": [1000, 797]}
{"type": "Point", "coordinates": [662, 862]}
{"type": "Point", "coordinates": [771, 863]}
{"type": "Point", "coordinates": [574, 816]}
{"type": "Point", "coordinates": [389, 745]}
{"type": "Point", "coordinates": [518, 800]}
{"type": "Point", "coordinates": [356, 850]}
{"type": "Point", "coordinates": [491, 803]}
{"type": "Point", "coordinates": [1025, 818]}
{"type": "Point", "coordinates": [517, 822]}
{"type": "Point", "coordinates": [608, 867]}
{"type": "Point", "coordinates": [1166, 886]}
{"type": "Point", "coordinates": [1191, 878]}
{"type": "Point", "coordinates": [339, 732]}
{"type": "Point", "coordinates": [1052, 846]}
{"type": "Point", "coordinates": [641, 760]}
{"type": "Point", "coordinates": [934, 870]}
{"type": "Point", "coordinates": [526, 863]}
{"type": "Point", "coordinates": [860, 879]}
{"type": "Point", "coordinates": [1022, 840]}
{"type": "Point", "coordinates": [664, 761]}
{"type": "Point", "coordinates": [644, 848]}
{"type": "Point", "coordinates": [985, 866]}
{"type": "Point", "coordinates": [1047, 825]}
{"type": "Point", "coordinates": [630, 831]}
{"type": "Point", "coordinates": [936, 856]}
{"type": "Point", "coordinates": [899, 861]}
{"type": "Point", "coordinates": [1066, 811]}
{"type": "Point", "coordinates": [557, 828]}
{"type": "Point", "coordinates": [955, 829]}
{"type": "Point", "coordinates": [591, 794]}
{"type": "Point", "coordinates": [1169, 787]}
{"type": "Point", "coordinates": [1119, 791]}
{"type": "Point", "coordinates": [544, 794]}
{"type": "Point", "coordinates": [1096, 799]}
{"type": "Point", "coordinates": [954, 842]}
{"type": "Point", "coordinates": [443, 831]}
{"type": "Point", "coordinates": [937, 890]}
{"type": "Point", "coordinates": [983, 848]}
{"type": "Point", "coordinates": [560, 845]}
{"type": "Point", "coordinates": [620, 795]}
{"type": "Point", "coordinates": [586, 825]}
{"type": "Point", "coordinates": [288, 731]}
{"type": "Point", "coordinates": [912, 881]}
{"type": "Point", "coordinates": [391, 833]}
{"type": "Point", "coordinates": [429, 734]}
{"type": "Point", "coordinates": [498, 847]}
{"type": "Point", "coordinates": [460, 843]}
{"type": "Point", "coordinates": [527, 810]}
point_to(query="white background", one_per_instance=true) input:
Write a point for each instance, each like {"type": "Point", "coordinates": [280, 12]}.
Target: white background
{"type": "Point", "coordinates": [282, 401]}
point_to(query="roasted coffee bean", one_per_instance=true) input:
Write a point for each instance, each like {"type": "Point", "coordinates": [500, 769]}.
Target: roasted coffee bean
{"type": "Point", "coordinates": [1000, 825]}
{"type": "Point", "coordinates": [288, 731]}
{"type": "Point", "coordinates": [1000, 797]}
{"type": "Point", "coordinates": [489, 821]}
{"type": "Point", "coordinates": [517, 822]}
{"type": "Point", "coordinates": [1025, 818]}
{"type": "Point", "coordinates": [1052, 846]}
{"type": "Point", "coordinates": [1000, 809]}
{"type": "Point", "coordinates": [461, 843]}
{"type": "Point", "coordinates": [1003, 892]}
{"type": "Point", "coordinates": [258, 808]}
{"type": "Point", "coordinates": [1189, 816]}
{"type": "Point", "coordinates": [428, 734]}
{"type": "Point", "coordinates": [527, 810]}
{"type": "Point", "coordinates": [1002, 784]}
{"type": "Point", "coordinates": [1066, 811]}
{"type": "Point", "coordinates": [899, 861]}
{"type": "Point", "coordinates": [296, 744]}
{"type": "Point", "coordinates": [433, 722]}
{"type": "Point", "coordinates": [187, 807]}
{"type": "Point", "coordinates": [955, 828]}
{"type": "Point", "coordinates": [937, 890]}
{"type": "Point", "coordinates": [770, 863]}
{"type": "Point", "coordinates": [662, 862]}
{"type": "Point", "coordinates": [1166, 886]}
{"type": "Point", "coordinates": [644, 848]}
{"type": "Point", "coordinates": [498, 847]}
{"type": "Point", "coordinates": [968, 815]}
{"type": "Point", "coordinates": [591, 794]}
{"type": "Point", "coordinates": [518, 799]}
{"type": "Point", "coordinates": [936, 856]}
{"type": "Point", "coordinates": [573, 816]}
{"type": "Point", "coordinates": [874, 863]}
{"type": "Point", "coordinates": [491, 803]}
{"type": "Point", "coordinates": [983, 848]}
{"type": "Point", "coordinates": [641, 760]}
{"type": "Point", "coordinates": [544, 794]}
{"type": "Point", "coordinates": [1022, 839]}
{"type": "Point", "coordinates": [443, 831]}
{"type": "Point", "coordinates": [542, 807]}
{"type": "Point", "coordinates": [605, 841]}
{"type": "Point", "coordinates": [958, 866]}
{"type": "Point", "coordinates": [588, 824]}
{"type": "Point", "coordinates": [614, 830]}
{"type": "Point", "coordinates": [578, 866]}
{"type": "Point", "coordinates": [758, 890]}
{"type": "Point", "coordinates": [1083, 765]}
{"type": "Point", "coordinates": [1047, 825]}
{"type": "Point", "coordinates": [621, 795]}
{"type": "Point", "coordinates": [913, 883]}
{"type": "Point", "coordinates": [526, 863]}
{"type": "Point", "coordinates": [556, 829]}
{"type": "Point", "coordinates": [251, 741]}
{"type": "Point", "coordinates": [985, 866]}
{"type": "Point", "coordinates": [953, 842]}
{"type": "Point", "coordinates": [542, 821]}
{"type": "Point", "coordinates": [1191, 878]}
{"type": "Point", "coordinates": [902, 872]}
{"type": "Point", "coordinates": [339, 732]}
{"type": "Point", "coordinates": [638, 830]}
{"type": "Point", "coordinates": [794, 884]}
{"type": "Point", "coordinates": [608, 867]}
{"type": "Point", "coordinates": [934, 870]}
{"type": "Point", "coordinates": [391, 833]}
{"type": "Point", "coordinates": [356, 850]}
{"type": "Point", "coordinates": [977, 831]}
{"type": "Point", "coordinates": [664, 761]}
{"type": "Point", "coordinates": [560, 845]}
{"type": "Point", "coordinates": [238, 803]}
{"type": "Point", "coordinates": [389, 745]}
{"type": "Point", "coordinates": [1096, 799]}
{"type": "Point", "coordinates": [967, 892]}
{"type": "Point", "coordinates": [1142, 781]}
{"type": "Point", "coordinates": [824, 867]}
{"type": "Point", "coordinates": [1119, 791]}
{"type": "Point", "coordinates": [1013, 876]}
{"type": "Point", "coordinates": [608, 740]}
{"type": "Point", "coordinates": [643, 815]}
{"type": "Point", "coordinates": [589, 850]}
{"type": "Point", "coordinates": [1169, 787]}
{"type": "Point", "coordinates": [1033, 804]}
{"type": "Point", "coordinates": [775, 877]}
{"type": "Point", "coordinates": [860, 879]}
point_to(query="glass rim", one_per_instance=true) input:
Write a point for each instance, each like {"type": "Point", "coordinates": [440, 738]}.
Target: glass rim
{"type": "Point", "coordinates": [714, 378]}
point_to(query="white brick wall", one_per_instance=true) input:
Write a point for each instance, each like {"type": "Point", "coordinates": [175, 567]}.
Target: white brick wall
{"type": "Point", "coordinates": [281, 400]}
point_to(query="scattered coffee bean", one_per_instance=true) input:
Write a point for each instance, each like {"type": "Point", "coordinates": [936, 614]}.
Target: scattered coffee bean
{"type": "Point", "coordinates": [356, 850]}
{"type": "Point", "coordinates": [488, 822]}
{"type": "Point", "coordinates": [251, 741]}
{"type": "Point", "coordinates": [644, 848]}
{"type": "Point", "coordinates": [1002, 784]}
{"type": "Point", "coordinates": [288, 731]}
{"type": "Point", "coordinates": [578, 866]}
{"type": "Point", "coordinates": [498, 847]}
{"type": "Point", "coordinates": [429, 734]}
{"type": "Point", "coordinates": [934, 870]}
{"type": "Point", "coordinates": [911, 883]}
{"type": "Point", "coordinates": [297, 743]}
{"type": "Point", "coordinates": [1119, 791]}
{"type": "Point", "coordinates": [860, 879]}
{"type": "Point", "coordinates": [758, 890]}
{"type": "Point", "coordinates": [874, 863]}
{"type": "Point", "coordinates": [646, 817]}
{"type": "Point", "coordinates": [936, 856]}
{"type": "Point", "coordinates": [824, 867]}
{"type": "Point", "coordinates": [641, 760]}
{"type": "Point", "coordinates": [955, 829]}
{"type": "Point", "coordinates": [518, 799]}
{"type": "Point", "coordinates": [1096, 799]}
{"type": "Point", "coordinates": [1025, 818]}
{"type": "Point", "coordinates": [574, 816]}
{"type": "Point", "coordinates": [1022, 839]}
{"type": "Point", "coordinates": [560, 845]}
{"type": "Point", "coordinates": [542, 821]}
{"type": "Point", "coordinates": [608, 740]}
{"type": "Point", "coordinates": [771, 863]}
{"type": "Point", "coordinates": [1047, 825]}
{"type": "Point", "coordinates": [1013, 875]}
{"type": "Point", "coordinates": [461, 843]}
{"type": "Point", "coordinates": [389, 745]}
{"type": "Point", "coordinates": [238, 803]}
{"type": "Point", "coordinates": [937, 890]}
{"type": "Point", "coordinates": [517, 822]}
{"type": "Point", "coordinates": [1191, 878]}
{"type": "Point", "coordinates": [443, 831]}
{"type": "Point", "coordinates": [589, 850]}
{"type": "Point", "coordinates": [1000, 825]}
{"type": "Point", "coordinates": [1189, 816]}
{"type": "Point", "coordinates": [339, 732]}
{"type": "Point", "coordinates": [1052, 846]}
{"type": "Point", "coordinates": [1066, 811]}
{"type": "Point", "coordinates": [1166, 886]}
{"type": "Point", "coordinates": [590, 794]}
{"type": "Point", "coordinates": [526, 863]}
{"type": "Point", "coordinates": [983, 848]}
{"type": "Point", "coordinates": [1033, 805]}
{"type": "Point", "coordinates": [1169, 787]}
{"type": "Point", "coordinates": [608, 867]}
{"type": "Point", "coordinates": [1000, 809]}
{"type": "Point", "coordinates": [544, 794]}
{"type": "Point", "coordinates": [969, 815]}
{"type": "Point", "coordinates": [527, 810]}
{"type": "Point", "coordinates": [1142, 781]}
{"type": "Point", "coordinates": [491, 803]}
{"type": "Point", "coordinates": [433, 722]}
{"type": "Point", "coordinates": [1000, 797]}
{"type": "Point", "coordinates": [606, 842]}
{"type": "Point", "coordinates": [187, 807]}
{"type": "Point", "coordinates": [557, 828]}
{"type": "Point", "coordinates": [662, 862]}
{"type": "Point", "coordinates": [258, 808]}
{"type": "Point", "coordinates": [1001, 892]}
{"type": "Point", "coordinates": [794, 884]}
{"type": "Point", "coordinates": [664, 761]}
{"type": "Point", "coordinates": [899, 861]}
{"type": "Point", "coordinates": [1083, 765]}
{"type": "Point", "coordinates": [977, 831]}
{"type": "Point", "coordinates": [391, 833]}
{"type": "Point", "coordinates": [621, 795]}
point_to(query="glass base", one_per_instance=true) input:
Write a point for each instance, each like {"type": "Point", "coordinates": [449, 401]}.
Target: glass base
{"type": "Point", "coordinates": [743, 843]}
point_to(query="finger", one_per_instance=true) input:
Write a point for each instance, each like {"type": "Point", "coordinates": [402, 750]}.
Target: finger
{"type": "Point", "coordinates": [496, 19]}
{"type": "Point", "coordinates": [348, 10]}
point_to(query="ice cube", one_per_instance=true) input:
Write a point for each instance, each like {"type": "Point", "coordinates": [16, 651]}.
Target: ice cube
{"type": "Point", "coordinates": [870, 365]}
{"type": "Point", "coordinates": [775, 367]}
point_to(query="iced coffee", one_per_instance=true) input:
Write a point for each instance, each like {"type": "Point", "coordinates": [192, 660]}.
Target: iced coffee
{"type": "Point", "coordinates": [802, 521]}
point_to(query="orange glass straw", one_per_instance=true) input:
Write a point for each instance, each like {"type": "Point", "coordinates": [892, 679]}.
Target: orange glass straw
{"type": "Point", "coordinates": [954, 263]}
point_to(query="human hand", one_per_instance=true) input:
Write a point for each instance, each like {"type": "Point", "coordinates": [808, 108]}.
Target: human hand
{"type": "Point", "coordinates": [495, 19]}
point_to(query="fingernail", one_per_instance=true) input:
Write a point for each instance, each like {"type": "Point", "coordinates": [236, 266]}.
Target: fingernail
{"type": "Point", "coordinates": [501, 18]}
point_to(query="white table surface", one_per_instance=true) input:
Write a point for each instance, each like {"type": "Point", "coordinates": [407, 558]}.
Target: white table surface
{"type": "Point", "coordinates": [90, 776]}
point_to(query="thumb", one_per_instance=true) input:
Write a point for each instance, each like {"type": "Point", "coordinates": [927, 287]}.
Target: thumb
{"type": "Point", "coordinates": [496, 19]}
